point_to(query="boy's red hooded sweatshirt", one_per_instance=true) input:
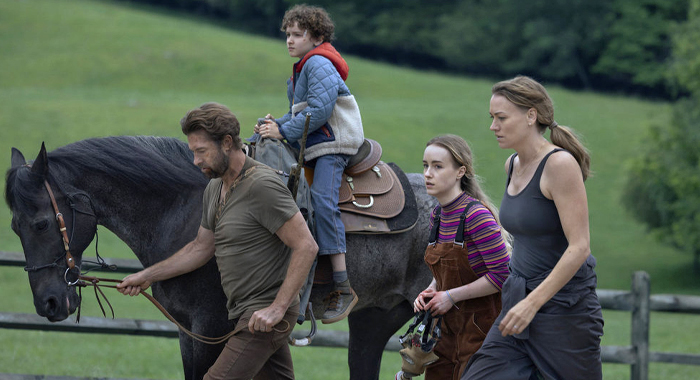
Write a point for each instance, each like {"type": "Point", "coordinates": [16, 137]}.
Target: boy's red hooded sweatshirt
{"type": "Point", "coordinates": [326, 50]}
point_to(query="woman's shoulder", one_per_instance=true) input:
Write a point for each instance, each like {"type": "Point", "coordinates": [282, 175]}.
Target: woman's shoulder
{"type": "Point", "coordinates": [560, 160]}
{"type": "Point", "coordinates": [561, 174]}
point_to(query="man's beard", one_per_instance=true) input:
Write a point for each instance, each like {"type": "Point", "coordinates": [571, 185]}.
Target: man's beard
{"type": "Point", "coordinates": [219, 166]}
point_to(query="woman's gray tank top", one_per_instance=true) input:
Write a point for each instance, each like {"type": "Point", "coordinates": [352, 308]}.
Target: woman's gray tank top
{"type": "Point", "coordinates": [533, 220]}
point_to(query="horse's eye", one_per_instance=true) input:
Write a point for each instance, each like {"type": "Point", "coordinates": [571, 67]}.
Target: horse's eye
{"type": "Point", "coordinates": [41, 225]}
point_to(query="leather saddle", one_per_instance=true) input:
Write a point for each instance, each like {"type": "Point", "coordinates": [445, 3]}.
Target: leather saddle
{"type": "Point", "coordinates": [371, 195]}
{"type": "Point", "coordinates": [374, 197]}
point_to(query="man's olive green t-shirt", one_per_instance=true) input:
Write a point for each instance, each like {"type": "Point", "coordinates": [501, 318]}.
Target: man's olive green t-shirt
{"type": "Point", "coordinates": [252, 260]}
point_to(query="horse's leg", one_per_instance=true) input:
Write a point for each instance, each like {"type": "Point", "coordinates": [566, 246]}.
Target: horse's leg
{"type": "Point", "coordinates": [197, 357]}
{"type": "Point", "coordinates": [202, 312]}
{"type": "Point", "coordinates": [370, 330]}
{"type": "Point", "coordinates": [187, 353]}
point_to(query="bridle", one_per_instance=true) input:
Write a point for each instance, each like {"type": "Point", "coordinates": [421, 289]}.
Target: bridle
{"type": "Point", "coordinates": [80, 278]}
{"type": "Point", "coordinates": [71, 267]}
{"type": "Point", "coordinates": [70, 262]}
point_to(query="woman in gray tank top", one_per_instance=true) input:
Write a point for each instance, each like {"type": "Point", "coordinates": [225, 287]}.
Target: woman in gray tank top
{"type": "Point", "coordinates": [551, 321]}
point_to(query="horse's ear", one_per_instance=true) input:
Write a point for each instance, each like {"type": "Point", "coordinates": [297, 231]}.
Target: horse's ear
{"type": "Point", "coordinates": [17, 158]}
{"type": "Point", "coordinates": [41, 164]}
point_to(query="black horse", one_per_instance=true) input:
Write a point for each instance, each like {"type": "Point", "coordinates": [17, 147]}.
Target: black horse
{"type": "Point", "coordinates": [147, 191]}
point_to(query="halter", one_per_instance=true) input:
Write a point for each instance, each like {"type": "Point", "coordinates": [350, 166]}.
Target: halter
{"type": "Point", "coordinates": [428, 334]}
{"type": "Point", "coordinates": [70, 262]}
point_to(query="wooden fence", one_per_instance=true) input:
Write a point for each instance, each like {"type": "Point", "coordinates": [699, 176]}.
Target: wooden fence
{"type": "Point", "coordinates": [638, 301]}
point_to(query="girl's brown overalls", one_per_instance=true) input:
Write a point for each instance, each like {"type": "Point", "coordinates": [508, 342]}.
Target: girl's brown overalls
{"type": "Point", "coordinates": [464, 329]}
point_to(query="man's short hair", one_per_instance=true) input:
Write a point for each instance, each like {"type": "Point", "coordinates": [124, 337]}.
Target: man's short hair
{"type": "Point", "coordinates": [215, 119]}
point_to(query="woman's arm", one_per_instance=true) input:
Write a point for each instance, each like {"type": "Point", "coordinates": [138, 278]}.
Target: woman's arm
{"type": "Point", "coordinates": [442, 302]}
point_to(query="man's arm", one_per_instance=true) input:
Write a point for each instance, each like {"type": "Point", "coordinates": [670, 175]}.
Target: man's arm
{"type": "Point", "coordinates": [190, 257]}
{"type": "Point", "coordinates": [296, 235]}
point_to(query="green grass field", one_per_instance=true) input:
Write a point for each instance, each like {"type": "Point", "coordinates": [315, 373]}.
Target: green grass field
{"type": "Point", "coordinates": [75, 69]}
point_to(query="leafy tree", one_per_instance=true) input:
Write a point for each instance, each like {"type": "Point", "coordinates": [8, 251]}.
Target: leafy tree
{"type": "Point", "coordinates": [663, 188]}
{"type": "Point", "coordinates": [556, 40]}
{"type": "Point", "coordinates": [640, 41]}
{"type": "Point", "coordinates": [686, 57]}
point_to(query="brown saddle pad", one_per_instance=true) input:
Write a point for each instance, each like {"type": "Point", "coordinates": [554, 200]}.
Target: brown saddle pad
{"type": "Point", "coordinates": [356, 223]}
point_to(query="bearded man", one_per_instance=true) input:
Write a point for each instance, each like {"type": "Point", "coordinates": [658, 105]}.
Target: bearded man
{"type": "Point", "coordinates": [261, 242]}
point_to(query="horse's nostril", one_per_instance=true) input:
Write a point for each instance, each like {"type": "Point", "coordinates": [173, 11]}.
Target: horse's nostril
{"type": "Point", "coordinates": [51, 306]}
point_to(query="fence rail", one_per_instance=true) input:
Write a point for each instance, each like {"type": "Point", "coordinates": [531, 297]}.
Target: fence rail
{"type": "Point", "coordinates": [638, 301]}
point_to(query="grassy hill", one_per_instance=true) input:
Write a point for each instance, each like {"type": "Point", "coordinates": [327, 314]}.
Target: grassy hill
{"type": "Point", "coordinates": [75, 69]}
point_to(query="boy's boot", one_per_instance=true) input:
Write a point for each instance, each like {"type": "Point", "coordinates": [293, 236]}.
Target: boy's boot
{"type": "Point", "coordinates": [340, 302]}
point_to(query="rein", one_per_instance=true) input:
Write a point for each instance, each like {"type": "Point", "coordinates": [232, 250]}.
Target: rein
{"type": "Point", "coordinates": [94, 281]}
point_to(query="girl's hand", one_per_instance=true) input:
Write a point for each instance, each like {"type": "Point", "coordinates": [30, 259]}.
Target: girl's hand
{"type": "Point", "coordinates": [422, 299]}
{"type": "Point", "coordinates": [440, 304]}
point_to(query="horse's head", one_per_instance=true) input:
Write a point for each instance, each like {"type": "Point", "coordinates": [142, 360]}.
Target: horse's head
{"type": "Point", "coordinates": [35, 221]}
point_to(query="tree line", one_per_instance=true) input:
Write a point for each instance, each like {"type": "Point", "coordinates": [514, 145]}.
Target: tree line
{"type": "Point", "coordinates": [663, 185]}
{"type": "Point", "coordinates": [603, 45]}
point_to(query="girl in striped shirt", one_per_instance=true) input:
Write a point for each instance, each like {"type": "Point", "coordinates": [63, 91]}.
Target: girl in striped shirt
{"type": "Point", "coordinates": [467, 254]}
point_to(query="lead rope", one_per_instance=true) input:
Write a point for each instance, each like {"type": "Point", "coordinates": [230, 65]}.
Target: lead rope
{"type": "Point", "coordinates": [90, 280]}
{"type": "Point", "coordinates": [97, 289]}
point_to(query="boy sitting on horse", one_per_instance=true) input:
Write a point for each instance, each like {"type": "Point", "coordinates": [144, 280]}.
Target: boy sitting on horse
{"type": "Point", "coordinates": [317, 86]}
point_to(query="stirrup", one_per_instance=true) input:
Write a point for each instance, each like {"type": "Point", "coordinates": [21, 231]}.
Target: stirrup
{"type": "Point", "coordinates": [305, 341]}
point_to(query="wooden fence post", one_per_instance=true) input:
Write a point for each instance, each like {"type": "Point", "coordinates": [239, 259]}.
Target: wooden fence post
{"type": "Point", "coordinates": [641, 289]}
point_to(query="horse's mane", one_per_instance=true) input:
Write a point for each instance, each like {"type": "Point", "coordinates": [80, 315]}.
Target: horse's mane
{"type": "Point", "coordinates": [151, 164]}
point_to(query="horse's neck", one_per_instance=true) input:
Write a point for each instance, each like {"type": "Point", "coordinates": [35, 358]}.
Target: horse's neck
{"type": "Point", "coordinates": [152, 225]}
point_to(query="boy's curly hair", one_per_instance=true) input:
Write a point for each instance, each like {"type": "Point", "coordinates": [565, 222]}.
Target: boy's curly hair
{"type": "Point", "coordinates": [313, 19]}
